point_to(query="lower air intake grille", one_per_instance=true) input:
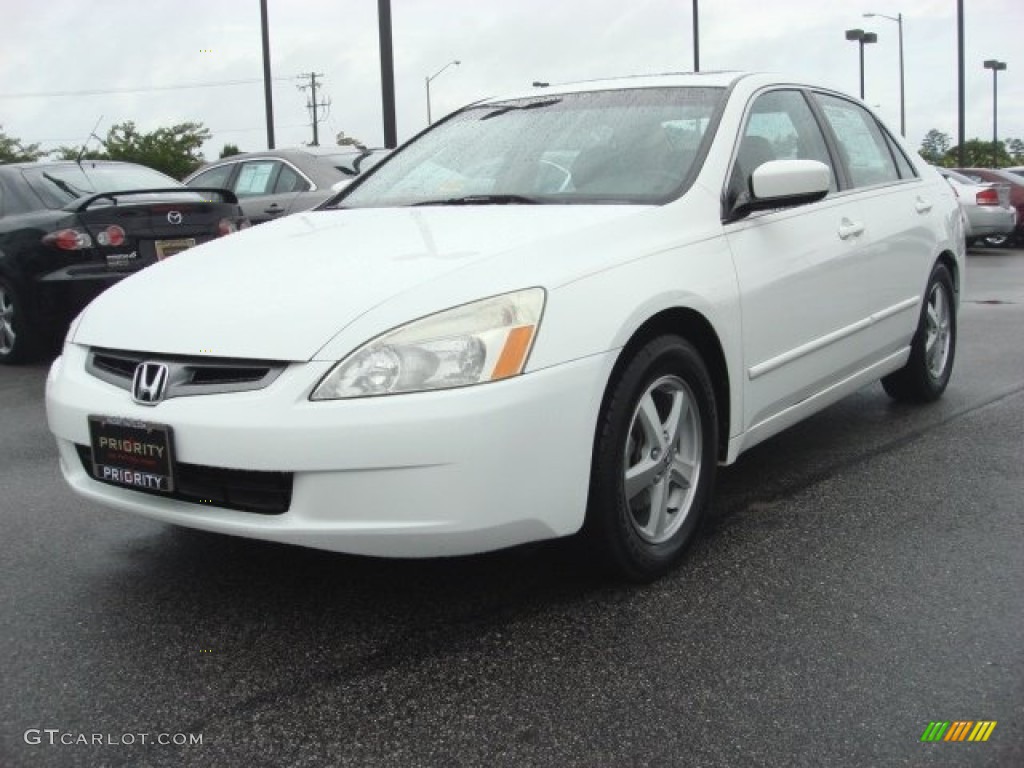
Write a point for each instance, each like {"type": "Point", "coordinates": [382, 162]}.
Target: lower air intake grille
{"type": "Point", "coordinates": [264, 493]}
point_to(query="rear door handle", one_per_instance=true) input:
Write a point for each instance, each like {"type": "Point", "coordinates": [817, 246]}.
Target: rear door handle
{"type": "Point", "coordinates": [922, 205]}
{"type": "Point", "coordinates": [848, 229]}
{"type": "Point", "coordinates": [274, 209]}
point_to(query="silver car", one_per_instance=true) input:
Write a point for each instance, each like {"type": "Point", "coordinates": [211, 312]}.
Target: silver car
{"type": "Point", "coordinates": [272, 184]}
{"type": "Point", "coordinates": [985, 206]}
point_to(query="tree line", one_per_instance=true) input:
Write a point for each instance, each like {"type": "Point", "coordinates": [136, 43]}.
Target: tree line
{"type": "Point", "coordinates": [175, 150]}
{"type": "Point", "coordinates": [937, 148]}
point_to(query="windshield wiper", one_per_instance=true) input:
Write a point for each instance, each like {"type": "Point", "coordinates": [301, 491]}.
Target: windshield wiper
{"type": "Point", "coordinates": [515, 107]}
{"type": "Point", "coordinates": [64, 186]}
{"type": "Point", "coordinates": [483, 200]}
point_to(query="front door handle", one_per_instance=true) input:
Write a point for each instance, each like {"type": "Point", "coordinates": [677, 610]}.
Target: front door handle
{"type": "Point", "coordinates": [274, 209]}
{"type": "Point", "coordinates": [922, 205]}
{"type": "Point", "coordinates": [848, 229]}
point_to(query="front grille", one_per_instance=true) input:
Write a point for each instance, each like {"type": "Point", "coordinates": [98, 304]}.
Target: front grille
{"type": "Point", "coordinates": [186, 375]}
{"type": "Point", "coordinates": [264, 493]}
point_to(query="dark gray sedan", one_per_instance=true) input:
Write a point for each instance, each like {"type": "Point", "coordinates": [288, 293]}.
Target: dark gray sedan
{"type": "Point", "coordinates": [278, 182]}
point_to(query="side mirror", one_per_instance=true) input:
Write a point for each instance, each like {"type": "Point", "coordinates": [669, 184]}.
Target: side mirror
{"type": "Point", "coordinates": [782, 184]}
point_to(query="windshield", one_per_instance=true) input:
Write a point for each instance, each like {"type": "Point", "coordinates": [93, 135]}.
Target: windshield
{"type": "Point", "coordinates": [620, 146]}
{"type": "Point", "coordinates": [58, 185]}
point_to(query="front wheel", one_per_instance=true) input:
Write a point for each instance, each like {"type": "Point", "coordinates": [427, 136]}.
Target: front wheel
{"type": "Point", "coordinates": [654, 459]}
{"type": "Point", "coordinates": [926, 374]}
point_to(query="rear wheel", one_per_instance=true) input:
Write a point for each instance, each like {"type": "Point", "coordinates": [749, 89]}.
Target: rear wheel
{"type": "Point", "coordinates": [16, 342]}
{"type": "Point", "coordinates": [654, 459]}
{"type": "Point", "coordinates": [926, 374]}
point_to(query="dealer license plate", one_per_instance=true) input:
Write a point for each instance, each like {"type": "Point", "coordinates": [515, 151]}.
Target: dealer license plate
{"type": "Point", "coordinates": [165, 248]}
{"type": "Point", "coordinates": [132, 454]}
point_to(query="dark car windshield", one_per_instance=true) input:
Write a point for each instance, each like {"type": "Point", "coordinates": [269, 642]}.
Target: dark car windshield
{"type": "Point", "coordinates": [618, 146]}
{"type": "Point", "coordinates": [58, 185]}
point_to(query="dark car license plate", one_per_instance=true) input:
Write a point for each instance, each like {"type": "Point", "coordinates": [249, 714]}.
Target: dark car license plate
{"type": "Point", "coordinates": [165, 248]}
{"type": "Point", "coordinates": [132, 454]}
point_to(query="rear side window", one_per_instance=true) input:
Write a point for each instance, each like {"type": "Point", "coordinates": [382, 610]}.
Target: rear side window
{"type": "Point", "coordinates": [903, 165]}
{"type": "Point", "coordinates": [290, 181]}
{"type": "Point", "coordinates": [861, 142]}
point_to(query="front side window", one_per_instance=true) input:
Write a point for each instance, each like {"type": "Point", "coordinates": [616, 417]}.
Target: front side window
{"type": "Point", "coordinates": [619, 146]}
{"type": "Point", "coordinates": [215, 177]}
{"type": "Point", "coordinates": [779, 126]}
{"type": "Point", "coordinates": [861, 143]}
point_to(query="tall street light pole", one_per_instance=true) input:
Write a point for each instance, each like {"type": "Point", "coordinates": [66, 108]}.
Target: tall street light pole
{"type": "Point", "coordinates": [387, 74]}
{"type": "Point", "coordinates": [863, 38]}
{"type": "Point", "coordinates": [268, 96]}
{"type": "Point", "coordinates": [961, 149]}
{"type": "Point", "coordinates": [898, 18]}
{"type": "Point", "coordinates": [432, 77]}
{"type": "Point", "coordinates": [996, 67]}
{"type": "Point", "coordinates": [696, 38]}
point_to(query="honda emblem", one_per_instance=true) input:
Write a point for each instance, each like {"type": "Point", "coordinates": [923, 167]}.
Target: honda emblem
{"type": "Point", "coordinates": [150, 383]}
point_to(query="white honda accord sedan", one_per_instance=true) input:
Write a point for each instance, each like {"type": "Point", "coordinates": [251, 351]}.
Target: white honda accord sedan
{"type": "Point", "coordinates": [552, 312]}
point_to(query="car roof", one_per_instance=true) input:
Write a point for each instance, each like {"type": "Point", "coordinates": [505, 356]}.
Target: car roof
{"type": "Point", "coordinates": [65, 163]}
{"type": "Point", "coordinates": [296, 153]}
{"type": "Point", "coordinates": [711, 79]}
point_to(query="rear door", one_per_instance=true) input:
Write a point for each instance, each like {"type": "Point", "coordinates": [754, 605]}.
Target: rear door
{"type": "Point", "coordinates": [267, 188]}
{"type": "Point", "coordinates": [899, 210]}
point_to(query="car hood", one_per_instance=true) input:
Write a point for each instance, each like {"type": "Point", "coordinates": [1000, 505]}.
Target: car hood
{"type": "Point", "coordinates": [282, 290]}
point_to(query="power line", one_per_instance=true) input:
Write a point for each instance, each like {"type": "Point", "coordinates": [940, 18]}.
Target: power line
{"type": "Point", "coordinates": [103, 91]}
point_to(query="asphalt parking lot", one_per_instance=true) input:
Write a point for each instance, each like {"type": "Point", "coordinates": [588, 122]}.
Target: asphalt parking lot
{"type": "Point", "coordinates": [863, 576]}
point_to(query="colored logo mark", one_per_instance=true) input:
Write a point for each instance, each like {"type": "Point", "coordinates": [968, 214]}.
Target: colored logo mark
{"type": "Point", "coordinates": [958, 730]}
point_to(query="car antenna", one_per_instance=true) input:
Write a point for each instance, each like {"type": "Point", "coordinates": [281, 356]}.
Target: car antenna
{"type": "Point", "coordinates": [92, 135]}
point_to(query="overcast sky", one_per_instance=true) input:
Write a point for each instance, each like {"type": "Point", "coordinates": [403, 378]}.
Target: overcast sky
{"type": "Point", "coordinates": [68, 47]}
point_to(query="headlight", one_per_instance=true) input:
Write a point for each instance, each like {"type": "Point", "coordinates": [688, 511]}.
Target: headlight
{"type": "Point", "coordinates": [483, 341]}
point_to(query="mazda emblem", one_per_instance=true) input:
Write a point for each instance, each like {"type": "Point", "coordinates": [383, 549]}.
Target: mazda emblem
{"type": "Point", "coordinates": [150, 383]}
{"type": "Point", "coordinates": [174, 217]}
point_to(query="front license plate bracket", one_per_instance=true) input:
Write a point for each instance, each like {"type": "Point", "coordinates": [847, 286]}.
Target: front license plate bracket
{"type": "Point", "coordinates": [132, 454]}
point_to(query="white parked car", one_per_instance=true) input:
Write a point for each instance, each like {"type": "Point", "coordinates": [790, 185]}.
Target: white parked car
{"type": "Point", "coordinates": [551, 312]}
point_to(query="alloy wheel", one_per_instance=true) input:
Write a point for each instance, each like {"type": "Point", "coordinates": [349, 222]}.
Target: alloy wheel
{"type": "Point", "coordinates": [7, 335]}
{"type": "Point", "coordinates": [937, 331]}
{"type": "Point", "coordinates": [662, 459]}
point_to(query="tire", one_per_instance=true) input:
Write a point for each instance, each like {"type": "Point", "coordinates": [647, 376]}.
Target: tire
{"type": "Point", "coordinates": [997, 241]}
{"type": "Point", "coordinates": [925, 376]}
{"type": "Point", "coordinates": [669, 466]}
{"type": "Point", "coordinates": [17, 342]}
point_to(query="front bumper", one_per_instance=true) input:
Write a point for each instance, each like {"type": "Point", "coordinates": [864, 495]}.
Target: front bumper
{"type": "Point", "coordinates": [421, 475]}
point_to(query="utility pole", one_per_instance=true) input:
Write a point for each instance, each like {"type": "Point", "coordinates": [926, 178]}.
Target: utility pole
{"type": "Point", "coordinates": [313, 105]}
